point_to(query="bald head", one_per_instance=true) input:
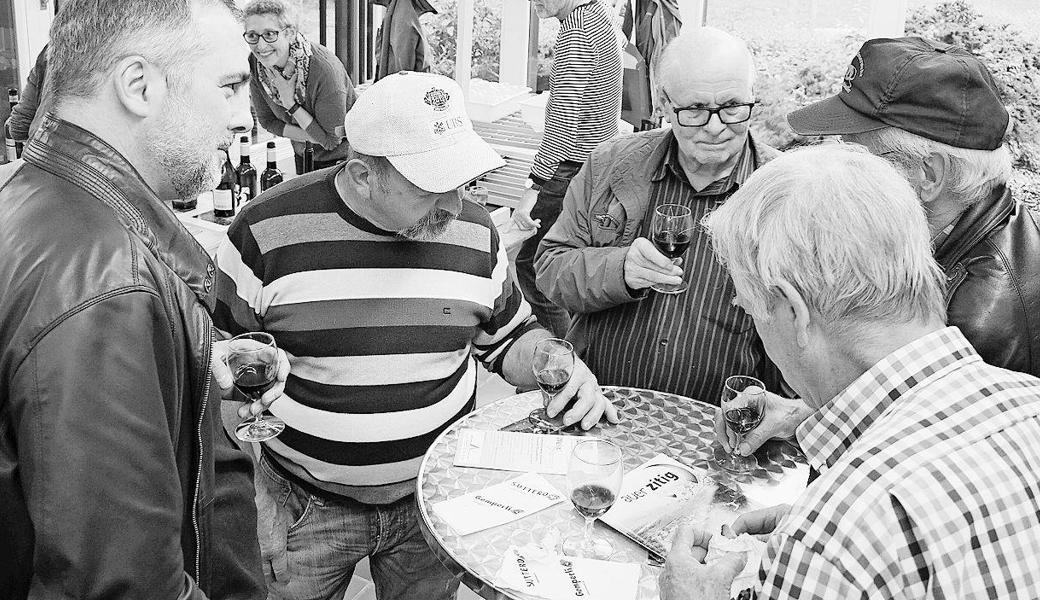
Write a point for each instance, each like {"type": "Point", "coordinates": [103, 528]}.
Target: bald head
{"type": "Point", "coordinates": [699, 53]}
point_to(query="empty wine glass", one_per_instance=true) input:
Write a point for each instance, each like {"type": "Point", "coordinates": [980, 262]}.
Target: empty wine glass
{"type": "Point", "coordinates": [743, 401]}
{"type": "Point", "coordinates": [553, 364]}
{"type": "Point", "coordinates": [670, 231]}
{"type": "Point", "coordinates": [253, 360]}
{"type": "Point", "coordinates": [594, 476]}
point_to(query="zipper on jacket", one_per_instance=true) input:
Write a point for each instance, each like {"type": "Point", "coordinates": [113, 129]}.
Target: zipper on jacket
{"type": "Point", "coordinates": [198, 477]}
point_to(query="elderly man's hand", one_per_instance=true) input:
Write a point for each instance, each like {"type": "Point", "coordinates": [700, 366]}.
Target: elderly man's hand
{"type": "Point", "coordinates": [522, 213]}
{"type": "Point", "coordinates": [686, 577]}
{"type": "Point", "coordinates": [222, 374]}
{"type": "Point", "coordinates": [760, 522]}
{"type": "Point", "coordinates": [780, 418]}
{"type": "Point", "coordinates": [646, 266]}
{"type": "Point", "coordinates": [590, 403]}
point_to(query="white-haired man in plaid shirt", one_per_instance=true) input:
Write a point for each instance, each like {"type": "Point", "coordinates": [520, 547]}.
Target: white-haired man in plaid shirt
{"type": "Point", "coordinates": [928, 459]}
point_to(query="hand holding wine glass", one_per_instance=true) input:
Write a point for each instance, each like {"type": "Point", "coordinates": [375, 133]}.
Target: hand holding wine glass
{"type": "Point", "coordinates": [553, 365]}
{"type": "Point", "coordinates": [258, 369]}
{"type": "Point", "coordinates": [670, 231]}
{"type": "Point", "coordinates": [594, 475]}
{"type": "Point", "coordinates": [743, 403]}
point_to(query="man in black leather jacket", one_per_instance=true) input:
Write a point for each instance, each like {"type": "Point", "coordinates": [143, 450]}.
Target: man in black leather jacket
{"type": "Point", "coordinates": [934, 111]}
{"type": "Point", "coordinates": [117, 479]}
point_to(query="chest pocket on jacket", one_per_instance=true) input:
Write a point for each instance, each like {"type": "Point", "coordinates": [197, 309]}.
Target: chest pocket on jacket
{"type": "Point", "coordinates": [607, 227]}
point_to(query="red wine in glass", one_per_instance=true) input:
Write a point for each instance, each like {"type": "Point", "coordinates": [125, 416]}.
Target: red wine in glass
{"type": "Point", "coordinates": [670, 231]}
{"type": "Point", "coordinates": [592, 500]}
{"type": "Point", "coordinates": [743, 420]}
{"type": "Point", "coordinates": [253, 379]}
{"type": "Point", "coordinates": [551, 381]}
{"type": "Point", "coordinates": [672, 244]}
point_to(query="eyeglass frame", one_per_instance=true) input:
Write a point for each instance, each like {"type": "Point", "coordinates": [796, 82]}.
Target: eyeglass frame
{"type": "Point", "coordinates": [263, 35]}
{"type": "Point", "coordinates": [717, 111]}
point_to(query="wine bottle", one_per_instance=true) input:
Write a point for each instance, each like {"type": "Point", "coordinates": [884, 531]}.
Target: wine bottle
{"type": "Point", "coordinates": [13, 148]}
{"type": "Point", "coordinates": [224, 195]}
{"type": "Point", "coordinates": [246, 174]}
{"type": "Point", "coordinates": [271, 175]}
{"type": "Point", "coordinates": [308, 157]}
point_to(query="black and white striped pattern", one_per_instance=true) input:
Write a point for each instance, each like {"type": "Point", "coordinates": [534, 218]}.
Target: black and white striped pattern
{"type": "Point", "coordinates": [585, 89]}
{"type": "Point", "coordinates": [382, 333]}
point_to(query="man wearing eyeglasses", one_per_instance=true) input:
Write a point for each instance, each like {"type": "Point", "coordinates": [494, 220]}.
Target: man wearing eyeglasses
{"type": "Point", "coordinates": [598, 263]}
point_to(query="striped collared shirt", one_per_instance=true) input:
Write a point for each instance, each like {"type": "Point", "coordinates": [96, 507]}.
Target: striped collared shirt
{"type": "Point", "coordinates": [381, 332]}
{"type": "Point", "coordinates": [930, 484]}
{"type": "Point", "coordinates": [585, 89]}
{"type": "Point", "coordinates": [686, 344]}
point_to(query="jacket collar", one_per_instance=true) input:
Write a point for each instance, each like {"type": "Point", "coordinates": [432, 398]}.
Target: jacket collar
{"type": "Point", "coordinates": [975, 224]}
{"type": "Point", "coordinates": [81, 158]}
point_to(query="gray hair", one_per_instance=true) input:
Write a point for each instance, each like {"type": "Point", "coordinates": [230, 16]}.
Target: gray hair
{"type": "Point", "coordinates": [697, 44]}
{"type": "Point", "coordinates": [88, 38]}
{"type": "Point", "coordinates": [843, 228]}
{"type": "Point", "coordinates": [973, 175]}
{"type": "Point", "coordinates": [380, 165]}
{"type": "Point", "coordinates": [283, 10]}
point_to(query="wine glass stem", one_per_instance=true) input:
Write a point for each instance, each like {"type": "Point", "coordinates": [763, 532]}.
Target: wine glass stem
{"type": "Point", "coordinates": [586, 540]}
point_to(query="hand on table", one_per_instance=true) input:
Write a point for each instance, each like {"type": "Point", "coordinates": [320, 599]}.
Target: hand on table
{"type": "Point", "coordinates": [226, 381]}
{"type": "Point", "coordinates": [760, 522]}
{"type": "Point", "coordinates": [686, 577]}
{"type": "Point", "coordinates": [522, 213]}
{"type": "Point", "coordinates": [645, 266]}
{"type": "Point", "coordinates": [590, 404]}
{"type": "Point", "coordinates": [781, 416]}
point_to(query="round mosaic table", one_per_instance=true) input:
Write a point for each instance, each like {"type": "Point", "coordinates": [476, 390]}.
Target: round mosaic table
{"type": "Point", "coordinates": [652, 423]}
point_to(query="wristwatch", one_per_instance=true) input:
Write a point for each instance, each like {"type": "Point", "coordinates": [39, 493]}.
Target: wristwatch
{"type": "Point", "coordinates": [292, 109]}
{"type": "Point", "coordinates": [529, 184]}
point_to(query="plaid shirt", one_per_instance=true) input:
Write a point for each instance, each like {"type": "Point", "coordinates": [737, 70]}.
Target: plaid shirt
{"type": "Point", "coordinates": [930, 484]}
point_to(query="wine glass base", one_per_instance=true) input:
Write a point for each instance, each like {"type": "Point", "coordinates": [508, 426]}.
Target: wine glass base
{"type": "Point", "coordinates": [738, 465]}
{"type": "Point", "coordinates": [257, 430]}
{"type": "Point", "coordinates": [598, 548]}
{"type": "Point", "coordinates": [671, 289]}
{"type": "Point", "coordinates": [543, 423]}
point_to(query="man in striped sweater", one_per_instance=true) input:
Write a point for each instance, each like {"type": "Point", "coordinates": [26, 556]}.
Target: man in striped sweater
{"type": "Point", "coordinates": [384, 287]}
{"type": "Point", "coordinates": [583, 110]}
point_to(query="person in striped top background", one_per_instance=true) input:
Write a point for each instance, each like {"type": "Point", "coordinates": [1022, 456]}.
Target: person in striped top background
{"type": "Point", "coordinates": [384, 286]}
{"type": "Point", "coordinates": [583, 110]}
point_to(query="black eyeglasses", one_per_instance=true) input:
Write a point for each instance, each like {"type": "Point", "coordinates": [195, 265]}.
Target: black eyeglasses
{"type": "Point", "coordinates": [697, 116]}
{"type": "Point", "coordinates": [270, 36]}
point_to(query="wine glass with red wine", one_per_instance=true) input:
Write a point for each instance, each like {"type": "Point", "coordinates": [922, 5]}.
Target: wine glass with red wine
{"type": "Point", "coordinates": [553, 364]}
{"type": "Point", "coordinates": [743, 402]}
{"type": "Point", "coordinates": [594, 476]}
{"type": "Point", "coordinates": [253, 360]}
{"type": "Point", "coordinates": [670, 231]}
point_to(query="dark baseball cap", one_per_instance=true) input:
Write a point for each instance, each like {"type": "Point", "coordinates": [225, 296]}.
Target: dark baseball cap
{"type": "Point", "coordinates": [935, 90]}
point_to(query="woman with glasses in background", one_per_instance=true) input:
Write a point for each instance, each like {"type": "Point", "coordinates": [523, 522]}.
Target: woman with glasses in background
{"type": "Point", "coordinates": [300, 89]}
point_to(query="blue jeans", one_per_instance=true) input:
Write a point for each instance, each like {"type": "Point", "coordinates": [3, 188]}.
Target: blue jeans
{"type": "Point", "coordinates": [310, 545]}
{"type": "Point", "coordinates": [547, 208]}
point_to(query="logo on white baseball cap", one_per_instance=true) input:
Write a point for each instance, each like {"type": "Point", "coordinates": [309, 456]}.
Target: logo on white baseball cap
{"type": "Point", "coordinates": [418, 122]}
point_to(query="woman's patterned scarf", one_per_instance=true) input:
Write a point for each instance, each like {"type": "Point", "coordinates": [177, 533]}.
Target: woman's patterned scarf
{"type": "Point", "coordinates": [299, 61]}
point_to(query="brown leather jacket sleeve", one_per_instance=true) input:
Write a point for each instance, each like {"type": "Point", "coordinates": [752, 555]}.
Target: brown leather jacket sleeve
{"type": "Point", "coordinates": [97, 457]}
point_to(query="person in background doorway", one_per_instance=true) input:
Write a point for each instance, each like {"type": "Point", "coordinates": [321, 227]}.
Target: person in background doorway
{"type": "Point", "coordinates": [300, 89]}
{"type": "Point", "coordinates": [25, 115]}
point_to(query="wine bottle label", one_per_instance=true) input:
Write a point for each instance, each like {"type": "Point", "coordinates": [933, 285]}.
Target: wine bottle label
{"type": "Point", "coordinates": [244, 194]}
{"type": "Point", "coordinates": [222, 200]}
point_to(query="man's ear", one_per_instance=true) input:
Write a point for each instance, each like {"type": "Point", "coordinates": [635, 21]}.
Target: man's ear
{"type": "Point", "coordinates": [934, 169]}
{"type": "Point", "coordinates": [140, 86]}
{"type": "Point", "coordinates": [360, 176]}
{"type": "Point", "coordinates": [798, 313]}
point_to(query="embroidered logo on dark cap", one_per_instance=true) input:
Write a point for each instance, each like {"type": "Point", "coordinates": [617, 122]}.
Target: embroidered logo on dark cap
{"type": "Point", "coordinates": [437, 98]}
{"type": "Point", "coordinates": [852, 72]}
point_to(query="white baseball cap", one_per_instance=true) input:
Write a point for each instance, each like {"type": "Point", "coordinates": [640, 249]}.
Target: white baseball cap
{"type": "Point", "coordinates": [418, 122]}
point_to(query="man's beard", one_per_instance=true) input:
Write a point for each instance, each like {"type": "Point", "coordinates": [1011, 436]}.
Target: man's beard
{"type": "Point", "coordinates": [431, 226]}
{"type": "Point", "coordinates": [191, 163]}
